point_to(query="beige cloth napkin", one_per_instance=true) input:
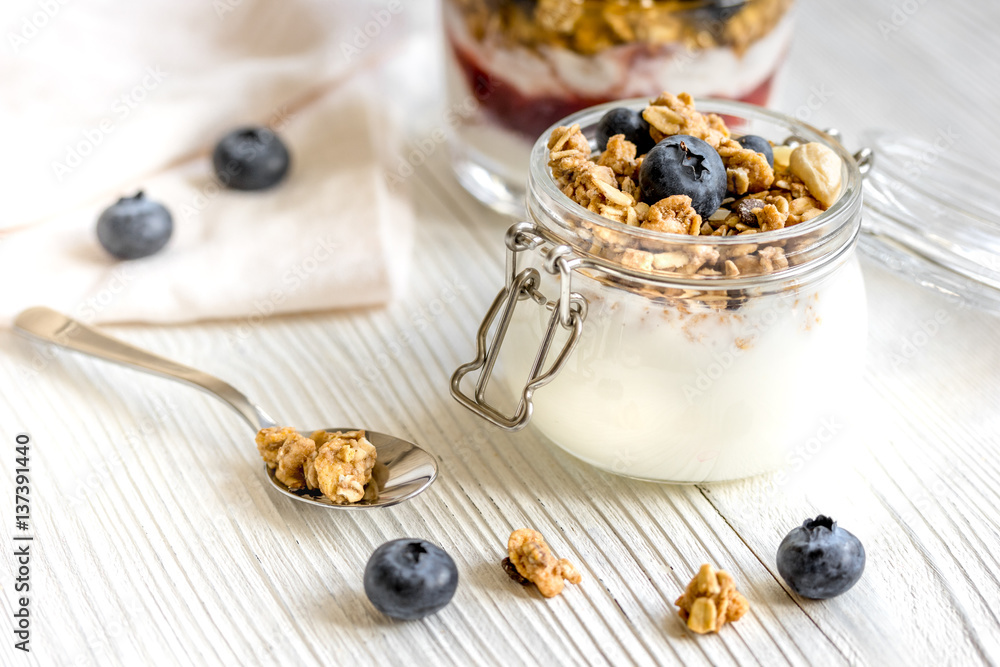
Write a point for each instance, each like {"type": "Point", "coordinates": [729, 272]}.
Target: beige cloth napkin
{"type": "Point", "coordinates": [107, 97]}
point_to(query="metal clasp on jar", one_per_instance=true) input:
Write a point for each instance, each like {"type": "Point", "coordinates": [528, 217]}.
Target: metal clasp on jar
{"type": "Point", "coordinates": [569, 312]}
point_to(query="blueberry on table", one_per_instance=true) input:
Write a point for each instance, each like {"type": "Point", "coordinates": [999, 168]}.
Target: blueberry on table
{"type": "Point", "coordinates": [134, 227]}
{"type": "Point", "coordinates": [627, 122]}
{"type": "Point", "coordinates": [410, 578]}
{"type": "Point", "coordinates": [250, 158]}
{"type": "Point", "coordinates": [758, 145]}
{"type": "Point", "coordinates": [820, 560]}
{"type": "Point", "coordinates": [684, 165]}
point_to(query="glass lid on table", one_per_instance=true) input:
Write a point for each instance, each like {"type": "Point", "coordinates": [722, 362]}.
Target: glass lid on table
{"type": "Point", "coordinates": [927, 216]}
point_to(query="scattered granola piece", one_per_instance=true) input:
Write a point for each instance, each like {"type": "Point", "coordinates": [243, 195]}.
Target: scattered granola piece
{"type": "Point", "coordinates": [802, 205]}
{"type": "Point", "coordinates": [642, 210]}
{"type": "Point", "coordinates": [789, 186]}
{"type": "Point", "coordinates": [534, 561]}
{"type": "Point", "coordinates": [746, 170]}
{"type": "Point", "coordinates": [747, 264]}
{"type": "Point", "coordinates": [772, 258]}
{"type": "Point", "coordinates": [637, 259]}
{"type": "Point", "coordinates": [619, 156]}
{"type": "Point", "coordinates": [718, 124]}
{"type": "Point", "coordinates": [673, 215]}
{"type": "Point", "coordinates": [742, 250]}
{"type": "Point", "coordinates": [293, 456]}
{"type": "Point", "coordinates": [665, 261]}
{"type": "Point", "coordinates": [568, 140]}
{"type": "Point", "coordinates": [558, 15]}
{"type": "Point", "coordinates": [700, 256]}
{"type": "Point", "coordinates": [769, 218]}
{"type": "Point", "coordinates": [629, 187]}
{"type": "Point", "coordinates": [343, 464]}
{"type": "Point", "coordinates": [269, 442]}
{"type": "Point", "coordinates": [669, 114]}
{"type": "Point", "coordinates": [819, 168]}
{"type": "Point", "coordinates": [710, 601]}
{"type": "Point", "coordinates": [802, 209]}
{"type": "Point", "coordinates": [780, 202]}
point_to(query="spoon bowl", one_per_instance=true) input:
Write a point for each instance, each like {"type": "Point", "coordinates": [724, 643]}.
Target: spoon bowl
{"type": "Point", "coordinates": [402, 469]}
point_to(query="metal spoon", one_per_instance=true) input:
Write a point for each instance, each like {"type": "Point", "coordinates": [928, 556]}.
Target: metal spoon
{"type": "Point", "coordinates": [403, 469]}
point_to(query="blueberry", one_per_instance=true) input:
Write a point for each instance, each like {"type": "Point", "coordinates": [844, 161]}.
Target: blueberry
{"type": "Point", "coordinates": [410, 578]}
{"type": "Point", "coordinates": [134, 227]}
{"type": "Point", "coordinates": [684, 165]}
{"type": "Point", "coordinates": [250, 158]}
{"type": "Point", "coordinates": [759, 145]}
{"type": "Point", "coordinates": [820, 560]}
{"type": "Point", "coordinates": [627, 122]}
{"type": "Point", "coordinates": [717, 12]}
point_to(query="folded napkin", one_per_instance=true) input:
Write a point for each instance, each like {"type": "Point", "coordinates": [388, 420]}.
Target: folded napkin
{"type": "Point", "coordinates": [106, 98]}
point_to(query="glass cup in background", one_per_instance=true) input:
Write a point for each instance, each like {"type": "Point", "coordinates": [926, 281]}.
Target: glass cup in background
{"type": "Point", "coordinates": [514, 67]}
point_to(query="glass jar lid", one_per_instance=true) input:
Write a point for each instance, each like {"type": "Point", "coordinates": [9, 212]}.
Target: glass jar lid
{"type": "Point", "coordinates": [925, 217]}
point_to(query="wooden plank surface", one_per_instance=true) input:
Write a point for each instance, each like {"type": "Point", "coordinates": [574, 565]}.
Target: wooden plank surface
{"type": "Point", "coordinates": [158, 541]}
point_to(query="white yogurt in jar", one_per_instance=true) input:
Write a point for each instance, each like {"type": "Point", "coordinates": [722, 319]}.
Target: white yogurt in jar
{"type": "Point", "coordinates": [705, 395]}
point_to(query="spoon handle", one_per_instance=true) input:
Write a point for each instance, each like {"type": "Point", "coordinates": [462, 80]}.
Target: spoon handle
{"type": "Point", "coordinates": [50, 326]}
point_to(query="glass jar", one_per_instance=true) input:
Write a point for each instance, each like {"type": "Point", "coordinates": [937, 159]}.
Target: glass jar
{"type": "Point", "coordinates": [514, 67]}
{"type": "Point", "coordinates": [657, 367]}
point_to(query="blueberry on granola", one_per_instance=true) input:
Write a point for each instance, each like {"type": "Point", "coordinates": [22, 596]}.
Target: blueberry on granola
{"type": "Point", "coordinates": [758, 145]}
{"type": "Point", "coordinates": [684, 165]}
{"type": "Point", "coordinates": [719, 10]}
{"type": "Point", "coordinates": [134, 227]}
{"type": "Point", "coordinates": [819, 559]}
{"type": "Point", "coordinates": [250, 158]}
{"type": "Point", "coordinates": [627, 122]}
{"type": "Point", "coordinates": [410, 578]}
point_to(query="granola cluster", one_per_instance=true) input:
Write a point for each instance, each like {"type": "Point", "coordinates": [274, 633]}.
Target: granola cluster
{"type": "Point", "coordinates": [339, 464]}
{"type": "Point", "coordinates": [711, 600]}
{"type": "Point", "coordinates": [531, 560]}
{"type": "Point", "coordinates": [591, 26]}
{"type": "Point", "coordinates": [804, 182]}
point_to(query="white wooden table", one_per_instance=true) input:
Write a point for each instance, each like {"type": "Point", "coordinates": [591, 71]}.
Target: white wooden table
{"type": "Point", "coordinates": [157, 540]}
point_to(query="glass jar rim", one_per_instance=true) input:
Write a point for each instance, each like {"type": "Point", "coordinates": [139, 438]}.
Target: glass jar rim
{"type": "Point", "coordinates": [545, 194]}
